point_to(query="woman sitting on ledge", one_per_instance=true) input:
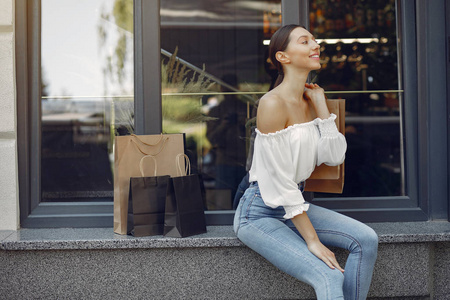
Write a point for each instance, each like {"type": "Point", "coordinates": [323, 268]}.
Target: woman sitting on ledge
{"type": "Point", "coordinates": [272, 217]}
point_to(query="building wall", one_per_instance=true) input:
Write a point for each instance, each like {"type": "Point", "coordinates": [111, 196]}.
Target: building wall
{"type": "Point", "coordinates": [9, 197]}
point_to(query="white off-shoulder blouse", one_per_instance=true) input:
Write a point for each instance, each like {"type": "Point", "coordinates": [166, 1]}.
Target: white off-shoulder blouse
{"type": "Point", "coordinates": [283, 159]}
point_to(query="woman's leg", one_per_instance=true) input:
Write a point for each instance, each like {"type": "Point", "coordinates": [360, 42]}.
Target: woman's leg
{"type": "Point", "coordinates": [337, 230]}
{"type": "Point", "coordinates": [264, 230]}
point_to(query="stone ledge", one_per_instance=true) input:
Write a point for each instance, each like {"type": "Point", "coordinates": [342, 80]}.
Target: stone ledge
{"type": "Point", "coordinates": [413, 263]}
{"type": "Point", "coordinates": [217, 236]}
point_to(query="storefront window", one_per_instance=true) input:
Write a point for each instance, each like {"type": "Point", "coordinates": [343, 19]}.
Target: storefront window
{"type": "Point", "coordinates": [87, 88]}
{"type": "Point", "coordinates": [214, 67]}
{"type": "Point", "coordinates": [209, 92]}
{"type": "Point", "coordinates": [358, 42]}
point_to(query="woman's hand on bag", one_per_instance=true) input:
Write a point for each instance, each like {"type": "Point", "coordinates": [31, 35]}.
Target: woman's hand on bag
{"type": "Point", "coordinates": [325, 254]}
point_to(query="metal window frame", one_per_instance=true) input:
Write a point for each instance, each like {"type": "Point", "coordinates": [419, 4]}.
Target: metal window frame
{"type": "Point", "coordinates": [147, 67]}
{"type": "Point", "coordinates": [426, 139]}
{"type": "Point", "coordinates": [28, 93]}
{"type": "Point", "coordinates": [432, 121]}
{"type": "Point", "coordinates": [447, 35]}
{"type": "Point", "coordinates": [22, 106]}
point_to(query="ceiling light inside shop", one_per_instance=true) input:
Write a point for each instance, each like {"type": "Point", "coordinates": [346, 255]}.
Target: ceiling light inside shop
{"type": "Point", "coordinates": [348, 41]}
{"type": "Point", "coordinates": [345, 41]}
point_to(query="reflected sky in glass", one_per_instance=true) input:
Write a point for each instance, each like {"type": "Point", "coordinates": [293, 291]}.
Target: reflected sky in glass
{"type": "Point", "coordinates": [73, 58]}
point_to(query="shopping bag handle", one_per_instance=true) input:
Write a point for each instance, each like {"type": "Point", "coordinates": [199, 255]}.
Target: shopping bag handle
{"type": "Point", "coordinates": [148, 144]}
{"type": "Point", "coordinates": [187, 169]}
{"type": "Point", "coordinates": [145, 153]}
{"type": "Point", "coordinates": [141, 166]}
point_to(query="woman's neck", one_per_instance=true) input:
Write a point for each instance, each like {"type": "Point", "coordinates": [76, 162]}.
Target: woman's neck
{"type": "Point", "coordinates": [293, 85]}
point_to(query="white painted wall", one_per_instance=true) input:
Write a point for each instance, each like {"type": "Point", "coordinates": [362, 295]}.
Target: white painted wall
{"type": "Point", "coordinates": [9, 192]}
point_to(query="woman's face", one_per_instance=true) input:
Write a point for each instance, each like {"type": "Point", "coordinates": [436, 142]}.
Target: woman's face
{"type": "Point", "coordinates": [303, 51]}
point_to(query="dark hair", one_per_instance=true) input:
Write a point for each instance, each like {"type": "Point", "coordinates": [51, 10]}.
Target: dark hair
{"type": "Point", "coordinates": [279, 42]}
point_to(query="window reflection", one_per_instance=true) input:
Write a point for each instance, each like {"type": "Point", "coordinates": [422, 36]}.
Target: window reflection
{"type": "Point", "coordinates": [225, 38]}
{"type": "Point", "coordinates": [226, 134]}
{"type": "Point", "coordinates": [359, 59]}
{"type": "Point", "coordinates": [358, 43]}
{"type": "Point", "coordinates": [87, 71]}
{"type": "Point", "coordinates": [87, 67]}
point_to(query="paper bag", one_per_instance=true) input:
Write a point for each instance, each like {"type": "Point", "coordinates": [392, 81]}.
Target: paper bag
{"type": "Point", "coordinates": [330, 179]}
{"type": "Point", "coordinates": [128, 151]}
{"type": "Point", "coordinates": [185, 200]}
{"type": "Point", "coordinates": [146, 204]}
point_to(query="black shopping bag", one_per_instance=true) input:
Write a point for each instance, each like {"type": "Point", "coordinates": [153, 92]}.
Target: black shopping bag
{"type": "Point", "coordinates": [146, 205]}
{"type": "Point", "coordinates": [185, 200]}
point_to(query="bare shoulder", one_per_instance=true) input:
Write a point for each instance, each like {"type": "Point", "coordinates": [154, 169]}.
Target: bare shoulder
{"type": "Point", "coordinates": [272, 115]}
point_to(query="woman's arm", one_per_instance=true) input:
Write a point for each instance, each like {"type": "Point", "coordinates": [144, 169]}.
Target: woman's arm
{"type": "Point", "coordinates": [307, 231]}
{"type": "Point", "coordinates": [332, 148]}
{"type": "Point", "coordinates": [316, 95]}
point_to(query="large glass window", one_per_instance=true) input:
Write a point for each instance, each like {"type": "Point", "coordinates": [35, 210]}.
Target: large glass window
{"type": "Point", "coordinates": [358, 42]}
{"type": "Point", "coordinates": [214, 68]}
{"type": "Point", "coordinates": [225, 39]}
{"type": "Point", "coordinates": [87, 88]}
{"type": "Point", "coordinates": [213, 57]}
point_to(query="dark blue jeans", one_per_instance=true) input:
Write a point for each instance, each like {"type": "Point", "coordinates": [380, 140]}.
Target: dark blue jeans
{"type": "Point", "coordinates": [241, 190]}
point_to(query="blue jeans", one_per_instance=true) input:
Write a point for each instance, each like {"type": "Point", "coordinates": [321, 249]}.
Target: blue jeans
{"type": "Point", "coordinates": [264, 230]}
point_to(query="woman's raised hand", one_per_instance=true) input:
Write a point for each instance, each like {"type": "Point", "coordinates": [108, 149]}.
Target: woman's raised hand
{"type": "Point", "coordinates": [313, 92]}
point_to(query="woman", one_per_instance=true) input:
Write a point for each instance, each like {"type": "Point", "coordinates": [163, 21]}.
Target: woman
{"type": "Point", "coordinates": [296, 132]}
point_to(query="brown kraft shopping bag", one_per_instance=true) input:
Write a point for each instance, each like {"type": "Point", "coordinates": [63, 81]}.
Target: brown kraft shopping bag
{"type": "Point", "coordinates": [330, 179]}
{"type": "Point", "coordinates": [128, 151]}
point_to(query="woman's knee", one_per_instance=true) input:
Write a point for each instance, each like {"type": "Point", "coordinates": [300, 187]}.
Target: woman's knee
{"type": "Point", "coordinates": [367, 240]}
{"type": "Point", "coordinates": [370, 238]}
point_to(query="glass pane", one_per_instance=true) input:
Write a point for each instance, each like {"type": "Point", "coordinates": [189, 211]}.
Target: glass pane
{"type": "Point", "coordinates": [87, 88]}
{"type": "Point", "coordinates": [359, 53]}
{"type": "Point", "coordinates": [210, 91]}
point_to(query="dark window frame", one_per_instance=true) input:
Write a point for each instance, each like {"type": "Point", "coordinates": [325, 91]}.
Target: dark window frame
{"type": "Point", "coordinates": [432, 108]}
{"type": "Point", "coordinates": [447, 35]}
{"type": "Point", "coordinates": [424, 145]}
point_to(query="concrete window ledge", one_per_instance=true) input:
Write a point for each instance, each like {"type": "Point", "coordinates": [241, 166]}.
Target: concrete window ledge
{"type": "Point", "coordinates": [217, 236]}
{"type": "Point", "coordinates": [94, 263]}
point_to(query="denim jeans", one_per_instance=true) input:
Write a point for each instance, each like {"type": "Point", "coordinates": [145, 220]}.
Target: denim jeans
{"type": "Point", "coordinates": [241, 190]}
{"type": "Point", "coordinates": [264, 230]}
